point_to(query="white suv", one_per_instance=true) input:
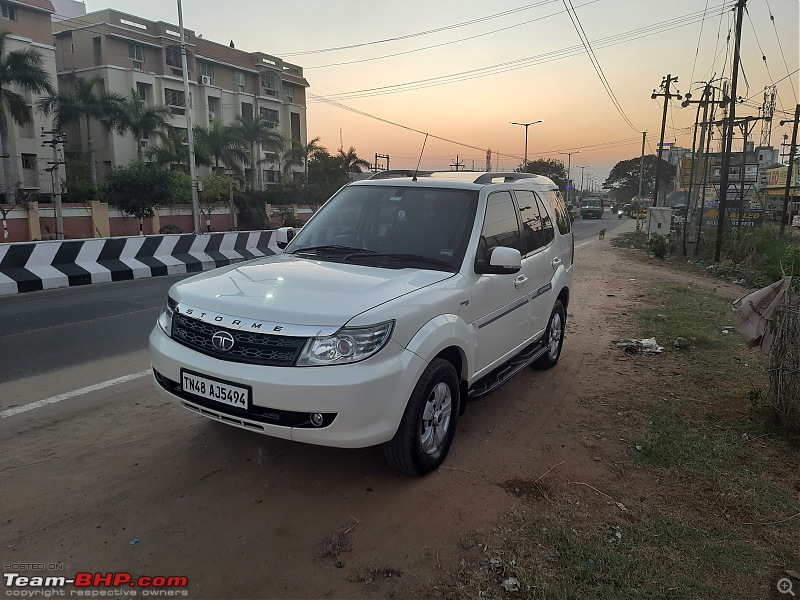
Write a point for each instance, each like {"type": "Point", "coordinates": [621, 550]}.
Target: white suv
{"type": "Point", "coordinates": [401, 298]}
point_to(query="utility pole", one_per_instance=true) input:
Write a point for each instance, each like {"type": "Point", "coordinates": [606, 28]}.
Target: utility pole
{"type": "Point", "coordinates": [744, 125]}
{"type": "Point", "coordinates": [792, 154]}
{"type": "Point", "coordinates": [456, 164]}
{"type": "Point", "coordinates": [376, 168]}
{"type": "Point", "coordinates": [57, 138]}
{"type": "Point", "coordinates": [189, 131]}
{"type": "Point", "coordinates": [697, 151]}
{"type": "Point", "coordinates": [582, 170]}
{"type": "Point", "coordinates": [665, 83]}
{"type": "Point", "coordinates": [727, 142]}
{"type": "Point", "coordinates": [569, 169]}
{"type": "Point", "coordinates": [526, 125]}
{"type": "Point", "coordinates": [488, 160]}
{"type": "Point", "coordinates": [641, 181]}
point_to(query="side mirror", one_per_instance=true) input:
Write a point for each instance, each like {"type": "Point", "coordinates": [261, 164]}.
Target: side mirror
{"type": "Point", "coordinates": [283, 236]}
{"type": "Point", "coordinates": [500, 261]}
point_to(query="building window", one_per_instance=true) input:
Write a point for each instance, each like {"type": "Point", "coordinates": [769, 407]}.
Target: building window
{"type": "Point", "coordinates": [269, 114]}
{"type": "Point", "coordinates": [240, 78]}
{"type": "Point", "coordinates": [8, 12]}
{"type": "Point", "coordinates": [295, 127]}
{"type": "Point", "coordinates": [271, 176]}
{"type": "Point", "coordinates": [270, 81]}
{"type": "Point", "coordinates": [247, 111]}
{"type": "Point", "coordinates": [206, 68]}
{"type": "Point", "coordinates": [135, 52]}
{"type": "Point", "coordinates": [29, 162]}
{"type": "Point", "coordinates": [173, 56]}
{"type": "Point", "coordinates": [176, 101]}
{"type": "Point", "coordinates": [213, 106]}
{"type": "Point", "coordinates": [143, 89]}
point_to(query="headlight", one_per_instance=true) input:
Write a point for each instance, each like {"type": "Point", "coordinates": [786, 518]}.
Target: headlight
{"type": "Point", "coordinates": [165, 318]}
{"type": "Point", "coordinates": [349, 345]}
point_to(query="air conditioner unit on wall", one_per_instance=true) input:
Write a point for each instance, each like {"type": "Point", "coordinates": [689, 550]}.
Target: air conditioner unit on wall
{"type": "Point", "coordinates": [205, 80]}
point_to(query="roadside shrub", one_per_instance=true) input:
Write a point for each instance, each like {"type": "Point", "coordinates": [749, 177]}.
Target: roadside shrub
{"type": "Point", "coordinates": [658, 244]}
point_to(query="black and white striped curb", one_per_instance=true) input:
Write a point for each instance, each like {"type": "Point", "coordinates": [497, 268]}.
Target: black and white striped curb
{"type": "Point", "coordinates": [33, 266]}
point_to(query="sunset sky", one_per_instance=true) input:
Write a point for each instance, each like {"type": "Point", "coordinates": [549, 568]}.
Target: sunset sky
{"type": "Point", "coordinates": [489, 63]}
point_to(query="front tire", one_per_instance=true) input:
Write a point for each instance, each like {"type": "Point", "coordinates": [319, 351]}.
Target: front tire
{"type": "Point", "coordinates": [553, 337]}
{"type": "Point", "coordinates": [429, 422]}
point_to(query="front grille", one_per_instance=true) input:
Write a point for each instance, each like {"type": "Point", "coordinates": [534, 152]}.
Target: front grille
{"type": "Point", "coordinates": [251, 348]}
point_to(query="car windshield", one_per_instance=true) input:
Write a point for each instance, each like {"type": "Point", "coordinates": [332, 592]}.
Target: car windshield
{"type": "Point", "coordinates": [591, 203]}
{"type": "Point", "coordinates": [391, 226]}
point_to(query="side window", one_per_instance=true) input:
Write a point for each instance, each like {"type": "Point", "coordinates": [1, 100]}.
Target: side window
{"type": "Point", "coordinates": [560, 211]}
{"type": "Point", "coordinates": [531, 218]}
{"type": "Point", "coordinates": [547, 224]}
{"type": "Point", "coordinates": [500, 227]}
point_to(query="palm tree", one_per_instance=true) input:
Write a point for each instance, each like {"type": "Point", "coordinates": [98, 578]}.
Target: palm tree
{"type": "Point", "coordinates": [259, 132]}
{"type": "Point", "coordinates": [350, 162]}
{"type": "Point", "coordinates": [141, 120]}
{"type": "Point", "coordinates": [84, 105]}
{"type": "Point", "coordinates": [224, 143]}
{"type": "Point", "coordinates": [309, 150]}
{"type": "Point", "coordinates": [25, 70]}
{"type": "Point", "coordinates": [174, 149]}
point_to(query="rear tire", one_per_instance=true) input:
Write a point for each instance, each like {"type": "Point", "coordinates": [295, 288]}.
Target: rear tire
{"type": "Point", "coordinates": [428, 426]}
{"type": "Point", "coordinates": [553, 337]}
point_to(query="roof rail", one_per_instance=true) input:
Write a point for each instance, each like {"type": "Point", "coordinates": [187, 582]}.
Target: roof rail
{"type": "Point", "coordinates": [395, 173]}
{"type": "Point", "coordinates": [487, 178]}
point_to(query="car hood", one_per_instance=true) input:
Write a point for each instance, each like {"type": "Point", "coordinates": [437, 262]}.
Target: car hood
{"type": "Point", "coordinates": [292, 290]}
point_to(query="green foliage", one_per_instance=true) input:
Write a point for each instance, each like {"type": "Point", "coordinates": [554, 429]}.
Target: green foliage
{"type": "Point", "coordinates": [549, 167]}
{"type": "Point", "coordinates": [139, 187]}
{"type": "Point", "coordinates": [78, 186]}
{"type": "Point", "coordinates": [658, 245]}
{"type": "Point", "coordinates": [181, 188]}
{"type": "Point", "coordinates": [624, 177]}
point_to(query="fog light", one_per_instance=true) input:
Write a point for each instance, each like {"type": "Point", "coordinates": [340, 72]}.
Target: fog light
{"type": "Point", "coordinates": [316, 419]}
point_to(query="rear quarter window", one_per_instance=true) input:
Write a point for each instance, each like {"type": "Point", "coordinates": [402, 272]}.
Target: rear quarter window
{"type": "Point", "coordinates": [559, 209]}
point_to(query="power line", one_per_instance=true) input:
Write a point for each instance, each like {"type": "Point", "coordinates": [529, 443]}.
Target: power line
{"type": "Point", "coordinates": [596, 63]}
{"type": "Point", "coordinates": [772, 18]}
{"type": "Point", "coordinates": [421, 33]}
{"type": "Point", "coordinates": [522, 62]}
{"type": "Point", "coordinates": [699, 37]}
{"type": "Point", "coordinates": [352, 62]}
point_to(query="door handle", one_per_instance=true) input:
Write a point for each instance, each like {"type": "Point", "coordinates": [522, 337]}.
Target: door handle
{"type": "Point", "coordinates": [520, 281]}
{"type": "Point", "coordinates": [556, 262]}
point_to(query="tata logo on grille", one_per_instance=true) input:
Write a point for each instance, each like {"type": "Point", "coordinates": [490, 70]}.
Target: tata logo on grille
{"type": "Point", "coordinates": [222, 341]}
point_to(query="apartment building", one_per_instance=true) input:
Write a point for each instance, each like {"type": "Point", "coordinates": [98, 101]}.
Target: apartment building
{"type": "Point", "coordinates": [132, 53]}
{"type": "Point", "coordinates": [29, 25]}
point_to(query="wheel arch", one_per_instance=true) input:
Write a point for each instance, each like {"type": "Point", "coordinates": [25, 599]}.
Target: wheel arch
{"type": "Point", "coordinates": [563, 295]}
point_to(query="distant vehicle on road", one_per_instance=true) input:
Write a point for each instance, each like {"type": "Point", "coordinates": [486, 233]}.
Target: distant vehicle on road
{"type": "Point", "coordinates": [592, 207]}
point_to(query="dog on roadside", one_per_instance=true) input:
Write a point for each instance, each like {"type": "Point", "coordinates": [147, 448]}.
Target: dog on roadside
{"type": "Point", "coordinates": [602, 235]}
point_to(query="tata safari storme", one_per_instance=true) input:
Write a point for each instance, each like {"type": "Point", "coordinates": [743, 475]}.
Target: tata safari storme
{"type": "Point", "coordinates": [400, 299]}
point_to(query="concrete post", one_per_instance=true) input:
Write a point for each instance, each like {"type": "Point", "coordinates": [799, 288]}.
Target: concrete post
{"type": "Point", "coordinates": [100, 224]}
{"type": "Point", "coordinates": [34, 226]}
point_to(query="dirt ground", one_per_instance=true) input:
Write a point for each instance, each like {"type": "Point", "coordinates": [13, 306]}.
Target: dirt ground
{"type": "Point", "coordinates": [245, 516]}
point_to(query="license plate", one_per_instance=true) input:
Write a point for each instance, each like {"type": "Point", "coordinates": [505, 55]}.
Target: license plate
{"type": "Point", "coordinates": [216, 390]}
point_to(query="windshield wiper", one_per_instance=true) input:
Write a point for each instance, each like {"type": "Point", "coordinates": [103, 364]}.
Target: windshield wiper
{"type": "Point", "coordinates": [338, 248]}
{"type": "Point", "coordinates": [398, 256]}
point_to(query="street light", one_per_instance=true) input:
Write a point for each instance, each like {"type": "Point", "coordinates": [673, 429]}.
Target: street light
{"type": "Point", "coordinates": [526, 125]}
{"type": "Point", "coordinates": [582, 169]}
{"type": "Point", "coordinates": [569, 167]}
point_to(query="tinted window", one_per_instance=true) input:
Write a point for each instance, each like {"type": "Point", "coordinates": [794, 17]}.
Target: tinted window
{"type": "Point", "coordinates": [547, 224]}
{"type": "Point", "coordinates": [531, 218]}
{"type": "Point", "coordinates": [500, 227]}
{"type": "Point", "coordinates": [559, 209]}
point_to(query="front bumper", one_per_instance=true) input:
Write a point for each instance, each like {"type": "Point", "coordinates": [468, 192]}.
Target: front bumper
{"type": "Point", "coordinates": [363, 403]}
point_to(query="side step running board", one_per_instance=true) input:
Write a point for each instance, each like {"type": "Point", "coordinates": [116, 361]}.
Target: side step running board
{"type": "Point", "coordinates": [503, 373]}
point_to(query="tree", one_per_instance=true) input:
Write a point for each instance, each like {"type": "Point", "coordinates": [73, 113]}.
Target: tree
{"type": "Point", "coordinates": [308, 151]}
{"type": "Point", "coordinates": [139, 187]}
{"type": "Point", "coordinates": [216, 193]}
{"type": "Point", "coordinates": [141, 120]}
{"type": "Point", "coordinates": [549, 167]}
{"type": "Point", "coordinates": [624, 177]}
{"type": "Point", "coordinates": [350, 162]}
{"type": "Point", "coordinates": [25, 70]}
{"type": "Point", "coordinates": [325, 169]}
{"type": "Point", "coordinates": [222, 143]}
{"type": "Point", "coordinates": [173, 149]}
{"type": "Point", "coordinates": [85, 105]}
{"type": "Point", "coordinates": [261, 135]}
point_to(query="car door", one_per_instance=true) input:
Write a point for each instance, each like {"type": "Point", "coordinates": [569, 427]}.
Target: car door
{"type": "Point", "coordinates": [499, 302]}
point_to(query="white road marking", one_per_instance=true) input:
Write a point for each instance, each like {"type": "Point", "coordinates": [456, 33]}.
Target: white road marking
{"type": "Point", "coordinates": [66, 396]}
{"type": "Point", "coordinates": [583, 244]}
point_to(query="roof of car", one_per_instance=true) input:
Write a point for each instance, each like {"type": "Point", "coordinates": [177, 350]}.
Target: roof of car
{"type": "Point", "coordinates": [456, 179]}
